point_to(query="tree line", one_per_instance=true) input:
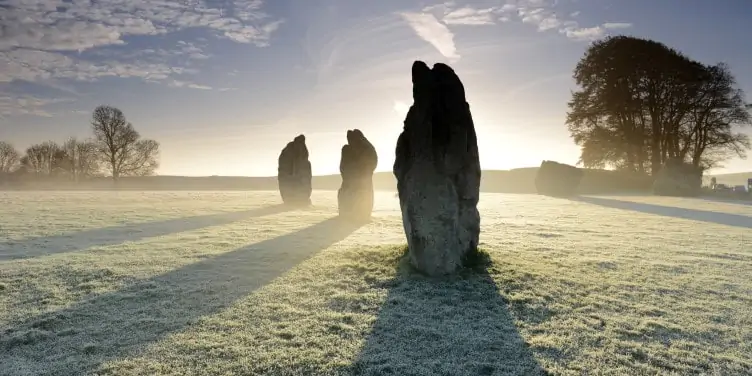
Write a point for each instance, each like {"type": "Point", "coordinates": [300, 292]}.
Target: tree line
{"type": "Point", "coordinates": [641, 104]}
{"type": "Point", "coordinates": [115, 149]}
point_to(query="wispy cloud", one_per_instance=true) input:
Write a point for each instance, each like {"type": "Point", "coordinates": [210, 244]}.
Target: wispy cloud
{"type": "Point", "coordinates": [470, 16]}
{"type": "Point", "coordinates": [542, 14]}
{"type": "Point", "coordinates": [434, 32]}
{"type": "Point", "coordinates": [39, 66]}
{"type": "Point", "coordinates": [583, 33]}
{"type": "Point", "coordinates": [178, 83]}
{"type": "Point", "coordinates": [83, 24]}
{"type": "Point", "coordinates": [539, 17]}
{"type": "Point", "coordinates": [433, 23]}
{"type": "Point", "coordinates": [57, 41]}
{"type": "Point", "coordinates": [617, 25]}
{"type": "Point", "coordinates": [14, 105]}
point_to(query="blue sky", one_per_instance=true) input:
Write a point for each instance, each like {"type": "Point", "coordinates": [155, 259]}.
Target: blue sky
{"type": "Point", "coordinates": [223, 85]}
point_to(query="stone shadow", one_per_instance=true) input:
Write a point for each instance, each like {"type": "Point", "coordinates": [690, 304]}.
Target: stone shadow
{"type": "Point", "coordinates": [77, 339]}
{"type": "Point", "coordinates": [735, 220]}
{"type": "Point", "coordinates": [456, 326]}
{"type": "Point", "coordinates": [100, 237]}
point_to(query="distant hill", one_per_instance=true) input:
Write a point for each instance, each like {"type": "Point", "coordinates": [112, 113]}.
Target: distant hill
{"type": "Point", "coordinates": [520, 180]}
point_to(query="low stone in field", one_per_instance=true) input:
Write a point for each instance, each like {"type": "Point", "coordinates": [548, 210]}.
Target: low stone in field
{"type": "Point", "coordinates": [557, 179]}
{"type": "Point", "coordinates": [294, 173]}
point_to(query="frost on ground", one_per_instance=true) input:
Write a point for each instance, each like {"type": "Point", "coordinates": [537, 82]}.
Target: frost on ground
{"type": "Point", "coordinates": [230, 283]}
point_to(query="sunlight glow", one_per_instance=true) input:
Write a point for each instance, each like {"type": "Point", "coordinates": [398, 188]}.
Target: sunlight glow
{"type": "Point", "coordinates": [401, 108]}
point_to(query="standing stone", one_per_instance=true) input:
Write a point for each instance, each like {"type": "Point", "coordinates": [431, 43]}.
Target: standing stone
{"type": "Point", "coordinates": [438, 172]}
{"type": "Point", "coordinates": [294, 173]}
{"type": "Point", "coordinates": [557, 179]}
{"type": "Point", "coordinates": [359, 160]}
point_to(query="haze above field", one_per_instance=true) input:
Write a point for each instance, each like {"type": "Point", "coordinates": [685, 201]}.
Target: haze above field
{"type": "Point", "coordinates": [223, 88]}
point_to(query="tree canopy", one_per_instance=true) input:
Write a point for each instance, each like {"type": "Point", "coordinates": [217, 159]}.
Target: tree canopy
{"type": "Point", "coordinates": [642, 103]}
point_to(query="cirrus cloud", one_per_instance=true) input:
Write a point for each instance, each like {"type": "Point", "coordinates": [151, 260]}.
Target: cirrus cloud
{"type": "Point", "coordinates": [56, 25]}
{"type": "Point", "coordinates": [542, 14]}
{"type": "Point", "coordinates": [53, 41]}
{"type": "Point", "coordinates": [433, 23]}
{"type": "Point", "coordinates": [434, 32]}
{"type": "Point", "coordinates": [13, 105]}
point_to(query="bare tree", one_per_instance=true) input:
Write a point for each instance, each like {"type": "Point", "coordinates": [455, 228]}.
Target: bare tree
{"type": "Point", "coordinates": [44, 159]}
{"type": "Point", "coordinates": [9, 157]}
{"type": "Point", "coordinates": [33, 160]}
{"type": "Point", "coordinates": [82, 158]}
{"type": "Point", "coordinates": [120, 146]}
{"type": "Point", "coordinates": [69, 148]}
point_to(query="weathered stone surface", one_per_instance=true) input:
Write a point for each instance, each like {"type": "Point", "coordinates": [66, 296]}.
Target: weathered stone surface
{"type": "Point", "coordinates": [557, 179]}
{"type": "Point", "coordinates": [359, 160]}
{"type": "Point", "coordinates": [677, 178]}
{"type": "Point", "coordinates": [438, 172]}
{"type": "Point", "coordinates": [294, 173]}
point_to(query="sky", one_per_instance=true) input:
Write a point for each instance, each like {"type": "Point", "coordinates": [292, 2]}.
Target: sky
{"type": "Point", "coordinates": [223, 85]}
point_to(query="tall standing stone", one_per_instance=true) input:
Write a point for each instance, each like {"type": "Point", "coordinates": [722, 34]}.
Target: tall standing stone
{"type": "Point", "coordinates": [294, 173]}
{"type": "Point", "coordinates": [438, 172]}
{"type": "Point", "coordinates": [359, 160]}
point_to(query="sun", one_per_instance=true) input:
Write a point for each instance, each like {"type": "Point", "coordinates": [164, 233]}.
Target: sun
{"type": "Point", "coordinates": [401, 108]}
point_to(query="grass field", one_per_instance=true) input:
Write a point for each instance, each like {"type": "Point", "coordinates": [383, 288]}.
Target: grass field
{"type": "Point", "coordinates": [166, 283]}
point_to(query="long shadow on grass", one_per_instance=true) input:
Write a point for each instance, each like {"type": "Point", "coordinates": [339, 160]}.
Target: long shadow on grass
{"type": "Point", "coordinates": [77, 339]}
{"type": "Point", "coordinates": [736, 220]}
{"type": "Point", "coordinates": [47, 245]}
{"type": "Point", "coordinates": [450, 326]}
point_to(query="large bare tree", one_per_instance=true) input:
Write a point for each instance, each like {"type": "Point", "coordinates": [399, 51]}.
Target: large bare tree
{"type": "Point", "coordinates": [9, 157]}
{"type": "Point", "coordinates": [120, 145]}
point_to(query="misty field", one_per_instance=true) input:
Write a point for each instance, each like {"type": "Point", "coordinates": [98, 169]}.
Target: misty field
{"type": "Point", "coordinates": [210, 283]}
